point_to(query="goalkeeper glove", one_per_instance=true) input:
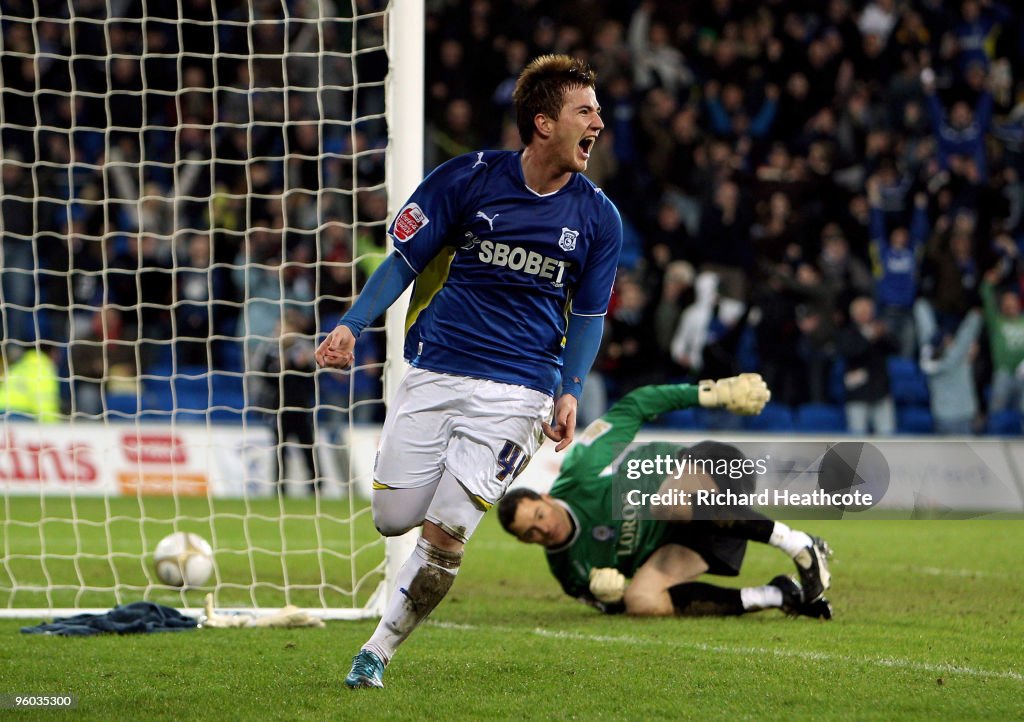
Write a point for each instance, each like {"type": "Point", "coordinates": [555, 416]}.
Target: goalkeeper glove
{"type": "Point", "coordinates": [607, 584]}
{"type": "Point", "coordinates": [745, 394]}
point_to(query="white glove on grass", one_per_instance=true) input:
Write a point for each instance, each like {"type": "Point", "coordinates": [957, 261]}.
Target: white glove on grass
{"type": "Point", "coordinates": [607, 584]}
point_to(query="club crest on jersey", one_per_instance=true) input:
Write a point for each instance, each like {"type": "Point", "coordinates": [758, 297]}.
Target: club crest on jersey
{"type": "Point", "coordinates": [603, 533]}
{"type": "Point", "coordinates": [568, 240]}
{"type": "Point", "coordinates": [410, 220]}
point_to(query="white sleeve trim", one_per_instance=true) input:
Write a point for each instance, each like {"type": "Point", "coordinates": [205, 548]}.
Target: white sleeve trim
{"type": "Point", "coordinates": [588, 315]}
{"type": "Point", "coordinates": [402, 256]}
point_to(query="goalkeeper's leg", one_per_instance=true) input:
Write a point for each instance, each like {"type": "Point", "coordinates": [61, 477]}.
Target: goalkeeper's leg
{"type": "Point", "coordinates": [697, 599]}
{"type": "Point", "coordinates": [664, 586]}
{"type": "Point", "coordinates": [809, 554]}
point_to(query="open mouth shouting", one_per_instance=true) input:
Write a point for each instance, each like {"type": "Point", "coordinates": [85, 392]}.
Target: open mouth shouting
{"type": "Point", "coordinates": [586, 145]}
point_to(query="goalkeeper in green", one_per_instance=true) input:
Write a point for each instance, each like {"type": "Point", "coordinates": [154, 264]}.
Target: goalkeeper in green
{"type": "Point", "coordinates": [593, 546]}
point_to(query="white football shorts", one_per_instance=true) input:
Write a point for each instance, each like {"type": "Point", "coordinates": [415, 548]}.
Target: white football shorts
{"type": "Point", "coordinates": [483, 432]}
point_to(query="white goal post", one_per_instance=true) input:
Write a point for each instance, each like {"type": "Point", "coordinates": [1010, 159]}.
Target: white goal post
{"type": "Point", "coordinates": [244, 164]}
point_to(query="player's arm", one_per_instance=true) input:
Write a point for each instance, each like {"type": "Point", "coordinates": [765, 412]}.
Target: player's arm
{"type": "Point", "coordinates": [586, 323]}
{"type": "Point", "coordinates": [381, 290]}
{"type": "Point", "coordinates": [419, 232]}
{"type": "Point", "coordinates": [582, 341]}
{"type": "Point", "coordinates": [876, 217]}
{"type": "Point", "coordinates": [604, 440]}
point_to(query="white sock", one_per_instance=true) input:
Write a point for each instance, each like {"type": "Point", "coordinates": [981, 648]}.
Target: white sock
{"type": "Point", "coordinates": [422, 582]}
{"type": "Point", "coordinates": [766, 597]}
{"type": "Point", "coordinates": [789, 540]}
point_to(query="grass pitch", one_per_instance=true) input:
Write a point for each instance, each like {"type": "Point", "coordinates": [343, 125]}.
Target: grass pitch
{"type": "Point", "coordinates": [928, 626]}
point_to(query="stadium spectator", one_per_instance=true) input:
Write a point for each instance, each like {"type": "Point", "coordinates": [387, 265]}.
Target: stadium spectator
{"type": "Point", "coordinates": [978, 19]}
{"type": "Point", "coordinates": [139, 277]}
{"type": "Point", "coordinates": [271, 287]}
{"type": "Point", "coordinates": [197, 288]}
{"type": "Point", "coordinates": [729, 115]}
{"type": "Point", "coordinates": [897, 254]}
{"type": "Point", "coordinates": [846, 275]}
{"type": "Point", "coordinates": [960, 138]}
{"type": "Point", "coordinates": [863, 345]}
{"type": "Point", "coordinates": [18, 262]}
{"type": "Point", "coordinates": [795, 332]}
{"type": "Point", "coordinates": [724, 240]}
{"type": "Point", "coordinates": [948, 362]}
{"type": "Point", "coordinates": [581, 522]}
{"type": "Point", "coordinates": [285, 391]}
{"type": "Point", "coordinates": [31, 385]}
{"type": "Point", "coordinates": [816, 322]}
{"type": "Point", "coordinates": [676, 296]}
{"type": "Point", "coordinates": [656, 61]}
{"type": "Point", "coordinates": [705, 323]}
{"type": "Point", "coordinates": [455, 135]}
{"type": "Point", "coordinates": [101, 360]}
{"type": "Point", "coordinates": [779, 231]}
{"type": "Point", "coordinates": [851, 104]}
{"type": "Point", "coordinates": [630, 357]}
{"type": "Point", "coordinates": [951, 274]}
{"type": "Point", "coordinates": [1005, 324]}
{"type": "Point", "coordinates": [470, 405]}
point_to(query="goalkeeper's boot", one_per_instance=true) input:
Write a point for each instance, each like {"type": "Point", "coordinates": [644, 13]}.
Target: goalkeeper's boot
{"type": "Point", "coordinates": [812, 565]}
{"type": "Point", "coordinates": [793, 600]}
{"type": "Point", "coordinates": [367, 671]}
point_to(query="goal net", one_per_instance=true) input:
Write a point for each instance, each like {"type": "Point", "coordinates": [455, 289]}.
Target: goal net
{"type": "Point", "coordinates": [192, 193]}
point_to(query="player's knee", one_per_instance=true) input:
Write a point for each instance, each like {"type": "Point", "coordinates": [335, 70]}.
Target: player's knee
{"type": "Point", "coordinates": [389, 526]}
{"type": "Point", "coordinates": [642, 603]}
{"type": "Point", "coordinates": [392, 528]}
{"type": "Point", "coordinates": [393, 522]}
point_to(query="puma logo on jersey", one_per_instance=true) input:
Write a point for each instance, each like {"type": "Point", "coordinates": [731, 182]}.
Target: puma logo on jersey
{"type": "Point", "coordinates": [479, 160]}
{"type": "Point", "coordinates": [490, 221]}
{"type": "Point", "coordinates": [519, 259]}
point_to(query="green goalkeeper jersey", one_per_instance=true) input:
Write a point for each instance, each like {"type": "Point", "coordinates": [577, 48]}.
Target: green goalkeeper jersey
{"type": "Point", "coordinates": [609, 531]}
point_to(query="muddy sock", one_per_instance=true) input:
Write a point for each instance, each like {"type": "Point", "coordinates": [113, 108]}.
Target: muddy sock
{"type": "Point", "coordinates": [422, 582]}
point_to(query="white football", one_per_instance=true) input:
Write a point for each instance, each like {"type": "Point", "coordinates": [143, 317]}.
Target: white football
{"type": "Point", "coordinates": [183, 559]}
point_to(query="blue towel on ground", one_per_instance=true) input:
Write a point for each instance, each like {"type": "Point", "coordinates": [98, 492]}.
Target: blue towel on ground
{"type": "Point", "coordinates": [134, 618]}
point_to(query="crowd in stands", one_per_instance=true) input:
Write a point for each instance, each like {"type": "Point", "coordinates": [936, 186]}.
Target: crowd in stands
{"type": "Point", "coordinates": [179, 178]}
{"type": "Point", "coordinates": [825, 191]}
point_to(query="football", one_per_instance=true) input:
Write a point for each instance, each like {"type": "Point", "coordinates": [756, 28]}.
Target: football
{"type": "Point", "coordinates": [183, 559]}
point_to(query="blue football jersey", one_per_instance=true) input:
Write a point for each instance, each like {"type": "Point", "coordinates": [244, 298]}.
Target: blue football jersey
{"type": "Point", "coordinates": [500, 267]}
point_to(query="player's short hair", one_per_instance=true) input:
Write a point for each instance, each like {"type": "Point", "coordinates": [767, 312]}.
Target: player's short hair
{"type": "Point", "coordinates": [542, 86]}
{"type": "Point", "coordinates": [509, 503]}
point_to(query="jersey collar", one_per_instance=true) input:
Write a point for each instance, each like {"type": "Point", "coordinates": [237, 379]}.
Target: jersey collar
{"type": "Point", "coordinates": [522, 179]}
{"type": "Point", "coordinates": [575, 528]}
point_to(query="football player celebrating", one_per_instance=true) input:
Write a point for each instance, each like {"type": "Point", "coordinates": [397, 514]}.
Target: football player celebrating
{"type": "Point", "coordinates": [593, 547]}
{"type": "Point", "coordinates": [510, 252]}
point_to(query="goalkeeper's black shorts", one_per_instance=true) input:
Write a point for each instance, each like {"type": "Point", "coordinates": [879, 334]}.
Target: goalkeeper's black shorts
{"type": "Point", "coordinates": [723, 555]}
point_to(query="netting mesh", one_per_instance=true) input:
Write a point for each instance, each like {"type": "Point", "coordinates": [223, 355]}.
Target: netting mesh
{"type": "Point", "coordinates": [190, 193]}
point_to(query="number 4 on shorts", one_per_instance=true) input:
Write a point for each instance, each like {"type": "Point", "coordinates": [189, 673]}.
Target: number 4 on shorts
{"type": "Point", "coordinates": [511, 461]}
